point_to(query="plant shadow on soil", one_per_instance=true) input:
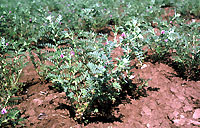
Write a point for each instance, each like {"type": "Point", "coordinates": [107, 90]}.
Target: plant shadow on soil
{"type": "Point", "coordinates": [181, 70]}
{"type": "Point", "coordinates": [106, 111]}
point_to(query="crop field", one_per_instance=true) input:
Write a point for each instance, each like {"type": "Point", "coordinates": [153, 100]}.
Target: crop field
{"type": "Point", "coordinates": [100, 63]}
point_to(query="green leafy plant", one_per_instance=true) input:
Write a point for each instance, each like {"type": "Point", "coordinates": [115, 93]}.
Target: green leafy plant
{"type": "Point", "coordinates": [11, 65]}
{"type": "Point", "coordinates": [87, 73]}
{"type": "Point", "coordinates": [9, 116]}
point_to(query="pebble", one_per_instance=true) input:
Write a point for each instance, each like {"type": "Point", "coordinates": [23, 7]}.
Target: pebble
{"type": "Point", "coordinates": [37, 102]}
{"type": "Point", "coordinates": [194, 122]}
{"type": "Point", "coordinates": [179, 122]}
{"type": "Point", "coordinates": [174, 90]}
{"type": "Point", "coordinates": [182, 116]}
{"type": "Point", "coordinates": [187, 108]}
{"type": "Point", "coordinates": [196, 114]}
{"type": "Point", "coordinates": [175, 113]}
{"type": "Point", "coordinates": [148, 125]}
{"type": "Point", "coordinates": [146, 110]}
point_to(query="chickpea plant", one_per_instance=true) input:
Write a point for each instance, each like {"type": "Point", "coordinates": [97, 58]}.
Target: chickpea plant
{"type": "Point", "coordinates": [11, 65]}
{"type": "Point", "coordinates": [87, 73]}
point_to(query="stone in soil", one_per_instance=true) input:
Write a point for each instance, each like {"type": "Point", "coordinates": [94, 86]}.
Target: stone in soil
{"type": "Point", "coordinates": [196, 114]}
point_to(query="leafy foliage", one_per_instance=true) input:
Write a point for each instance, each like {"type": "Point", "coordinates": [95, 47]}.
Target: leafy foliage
{"type": "Point", "coordinates": [11, 65]}
{"type": "Point", "coordinates": [89, 74]}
